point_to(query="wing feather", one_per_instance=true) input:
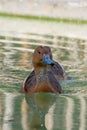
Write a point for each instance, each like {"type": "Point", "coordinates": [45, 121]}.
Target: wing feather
{"type": "Point", "coordinates": [58, 70]}
{"type": "Point", "coordinates": [55, 85]}
{"type": "Point", "coordinates": [29, 83]}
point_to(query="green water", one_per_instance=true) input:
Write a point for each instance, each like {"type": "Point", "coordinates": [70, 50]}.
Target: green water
{"type": "Point", "coordinates": [42, 111]}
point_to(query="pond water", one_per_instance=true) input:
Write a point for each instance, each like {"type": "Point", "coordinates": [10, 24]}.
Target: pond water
{"type": "Point", "coordinates": [42, 111]}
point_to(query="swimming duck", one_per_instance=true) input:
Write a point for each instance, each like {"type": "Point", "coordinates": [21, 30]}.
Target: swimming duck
{"type": "Point", "coordinates": [46, 73]}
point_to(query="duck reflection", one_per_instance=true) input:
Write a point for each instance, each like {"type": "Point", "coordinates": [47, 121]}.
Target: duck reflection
{"type": "Point", "coordinates": [38, 106]}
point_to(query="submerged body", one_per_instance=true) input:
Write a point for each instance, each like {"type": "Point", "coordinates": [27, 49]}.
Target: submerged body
{"type": "Point", "coordinates": [46, 73]}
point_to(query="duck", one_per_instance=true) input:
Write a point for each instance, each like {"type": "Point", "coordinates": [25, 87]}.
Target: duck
{"type": "Point", "coordinates": [46, 73]}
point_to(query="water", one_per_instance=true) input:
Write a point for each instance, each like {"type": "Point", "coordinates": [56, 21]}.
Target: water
{"type": "Point", "coordinates": [42, 111]}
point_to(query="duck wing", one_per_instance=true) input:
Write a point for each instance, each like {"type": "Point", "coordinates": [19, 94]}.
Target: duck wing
{"type": "Point", "coordinates": [58, 70]}
{"type": "Point", "coordinates": [54, 84]}
{"type": "Point", "coordinates": [29, 83]}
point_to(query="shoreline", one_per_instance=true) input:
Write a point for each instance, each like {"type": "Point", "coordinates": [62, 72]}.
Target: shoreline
{"type": "Point", "coordinates": [47, 8]}
{"type": "Point", "coordinates": [43, 18]}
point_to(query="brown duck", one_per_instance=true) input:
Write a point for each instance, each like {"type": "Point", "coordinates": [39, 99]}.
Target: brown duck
{"type": "Point", "coordinates": [46, 73]}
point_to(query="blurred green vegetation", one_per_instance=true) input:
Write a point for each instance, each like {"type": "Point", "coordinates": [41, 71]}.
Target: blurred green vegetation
{"type": "Point", "coordinates": [44, 18]}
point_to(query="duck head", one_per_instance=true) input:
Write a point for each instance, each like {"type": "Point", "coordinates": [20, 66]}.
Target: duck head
{"type": "Point", "coordinates": [42, 57]}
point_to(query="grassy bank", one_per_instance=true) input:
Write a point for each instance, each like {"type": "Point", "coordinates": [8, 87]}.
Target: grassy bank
{"type": "Point", "coordinates": [43, 18]}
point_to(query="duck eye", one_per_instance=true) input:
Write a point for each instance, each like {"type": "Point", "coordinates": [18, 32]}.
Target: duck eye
{"type": "Point", "coordinates": [39, 52]}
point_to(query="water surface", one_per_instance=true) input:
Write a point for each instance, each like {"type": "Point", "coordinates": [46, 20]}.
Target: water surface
{"type": "Point", "coordinates": [42, 111]}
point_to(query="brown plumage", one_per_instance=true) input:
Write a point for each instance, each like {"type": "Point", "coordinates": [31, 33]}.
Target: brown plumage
{"type": "Point", "coordinates": [46, 73]}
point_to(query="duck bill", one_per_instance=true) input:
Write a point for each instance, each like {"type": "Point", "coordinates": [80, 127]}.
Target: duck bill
{"type": "Point", "coordinates": [47, 60]}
